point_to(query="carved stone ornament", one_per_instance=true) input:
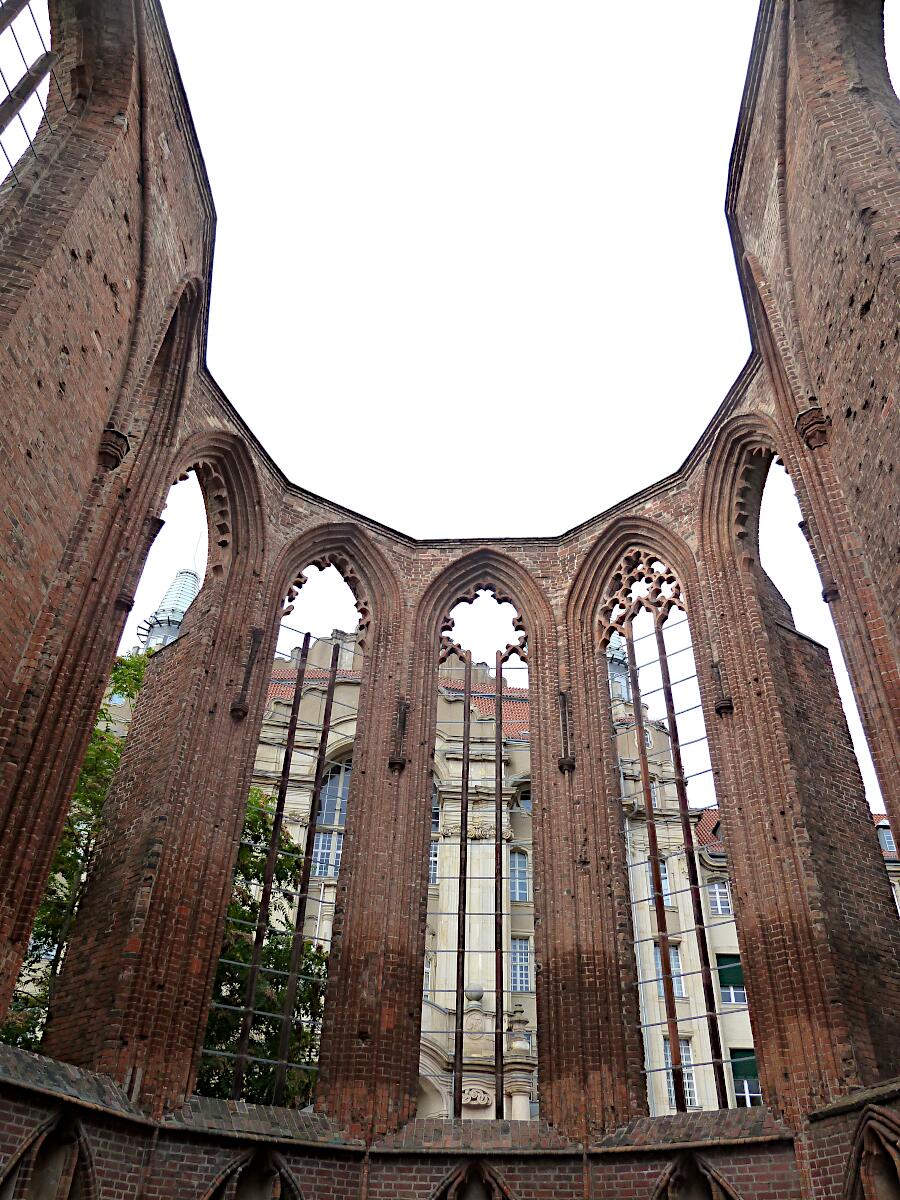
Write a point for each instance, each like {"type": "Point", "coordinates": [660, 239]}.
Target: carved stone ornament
{"type": "Point", "coordinates": [477, 832]}
{"type": "Point", "coordinates": [812, 424]}
{"type": "Point", "coordinates": [477, 1097]}
{"type": "Point", "coordinates": [114, 446]}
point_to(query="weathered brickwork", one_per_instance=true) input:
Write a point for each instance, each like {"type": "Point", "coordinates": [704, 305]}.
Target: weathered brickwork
{"type": "Point", "coordinates": [105, 257]}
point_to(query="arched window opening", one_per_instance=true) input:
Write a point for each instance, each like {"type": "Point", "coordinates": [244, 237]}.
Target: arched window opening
{"type": "Point", "coordinates": [27, 72]}
{"type": "Point", "coordinates": [691, 1179]}
{"type": "Point", "coordinates": [874, 1171]}
{"type": "Point", "coordinates": [264, 1177]}
{"type": "Point", "coordinates": [693, 1004]}
{"type": "Point", "coordinates": [169, 583]}
{"type": "Point", "coordinates": [786, 558]}
{"type": "Point", "coordinates": [265, 1021]}
{"type": "Point", "coordinates": [892, 42]}
{"type": "Point", "coordinates": [54, 1167]}
{"type": "Point", "coordinates": [479, 1017]}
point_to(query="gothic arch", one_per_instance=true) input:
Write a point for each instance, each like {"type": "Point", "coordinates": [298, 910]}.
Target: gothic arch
{"type": "Point", "coordinates": [253, 1177]}
{"type": "Point", "coordinates": [227, 476]}
{"type": "Point", "coordinates": [54, 1156]}
{"type": "Point", "coordinates": [873, 1169]}
{"type": "Point", "coordinates": [475, 1180]}
{"type": "Point", "coordinates": [364, 566]}
{"type": "Point", "coordinates": [689, 1177]}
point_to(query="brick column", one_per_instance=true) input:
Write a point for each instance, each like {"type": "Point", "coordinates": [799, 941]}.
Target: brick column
{"type": "Point", "coordinates": [817, 925]}
{"type": "Point", "coordinates": [132, 996]}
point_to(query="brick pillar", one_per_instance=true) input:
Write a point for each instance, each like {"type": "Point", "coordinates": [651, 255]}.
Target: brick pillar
{"type": "Point", "coordinates": [131, 999]}
{"type": "Point", "coordinates": [817, 925]}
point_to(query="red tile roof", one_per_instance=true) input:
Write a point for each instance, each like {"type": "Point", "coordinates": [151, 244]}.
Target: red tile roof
{"type": "Point", "coordinates": [710, 819]}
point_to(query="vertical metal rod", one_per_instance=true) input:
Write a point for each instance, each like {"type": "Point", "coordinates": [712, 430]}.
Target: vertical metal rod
{"type": "Point", "coordinates": [463, 876]}
{"type": "Point", "coordinates": [656, 877]}
{"type": "Point", "coordinates": [709, 995]}
{"type": "Point", "coordinates": [499, 1090]}
{"type": "Point", "coordinates": [262, 918]}
{"type": "Point", "coordinates": [287, 1025]}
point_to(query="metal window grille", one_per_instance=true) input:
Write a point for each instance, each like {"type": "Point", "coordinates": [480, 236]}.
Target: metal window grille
{"type": "Point", "coordinates": [645, 633]}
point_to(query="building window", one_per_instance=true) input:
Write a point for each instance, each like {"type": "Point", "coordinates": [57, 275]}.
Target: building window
{"type": "Point", "coordinates": [435, 810]}
{"type": "Point", "coordinates": [520, 965]}
{"type": "Point", "coordinates": [687, 1063]}
{"type": "Point", "coordinates": [745, 1073]}
{"type": "Point", "coordinates": [719, 898]}
{"type": "Point", "coordinates": [433, 863]}
{"type": "Point", "coordinates": [674, 967]}
{"type": "Point", "coordinates": [648, 739]}
{"type": "Point", "coordinates": [427, 978]}
{"type": "Point", "coordinates": [524, 800]}
{"type": "Point", "coordinates": [329, 839]}
{"type": "Point", "coordinates": [327, 854]}
{"type": "Point", "coordinates": [333, 806]}
{"type": "Point", "coordinates": [618, 681]}
{"type": "Point", "coordinates": [654, 793]}
{"type": "Point", "coordinates": [518, 875]}
{"type": "Point", "coordinates": [731, 979]}
{"type": "Point", "coordinates": [886, 839]}
{"type": "Point", "coordinates": [666, 889]}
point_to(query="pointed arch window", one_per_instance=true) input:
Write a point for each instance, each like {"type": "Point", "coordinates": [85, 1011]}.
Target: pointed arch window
{"type": "Point", "coordinates": [645, 636]}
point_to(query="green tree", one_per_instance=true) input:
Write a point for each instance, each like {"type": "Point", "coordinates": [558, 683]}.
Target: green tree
{"type": "Point", "coordinates": [49, 937]}
{"type": "Point", "coordinates": [229, 990]}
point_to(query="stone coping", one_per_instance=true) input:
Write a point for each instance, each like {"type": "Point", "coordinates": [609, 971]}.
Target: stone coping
{"type": "Point", "coordinates": [238, 1119]}
{"type": "Point", "coordinates": [877, 1094]}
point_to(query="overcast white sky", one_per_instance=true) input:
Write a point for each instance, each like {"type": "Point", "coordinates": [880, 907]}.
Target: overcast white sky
{"type": "Point", "coordinates": [455, 234]}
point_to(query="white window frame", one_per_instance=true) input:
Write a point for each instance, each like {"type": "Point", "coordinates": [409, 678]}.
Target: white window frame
{"type": "Point", "coordinates": [668, 900]}
{"type": "Point", "coordinates": [520, 965]}
{"type": "Point", "coordinates": [518, 877]}
{"type": "Point", "coordinates": [433, 862]}
{"type": "Point", "coordinates": [674, 967]}
{"type": "Point", "coordinates": [427, 977]}
{"type": "Point", "coordinates": [687, 1062]}
{"type": "Point", "coordinates": [328, 845]}
{"type": "Point", "coordinates": [886, 838]}
{"type": "Point", "coordinates": [648, 739]}
{"type": "Point", "coordinates": [718, 892]}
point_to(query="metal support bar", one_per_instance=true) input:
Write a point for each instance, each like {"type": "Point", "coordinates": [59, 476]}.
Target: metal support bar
{"type": "Point", "coordinates": [10, 11]}
{"type": "Point", "coordinates": [709, 995]}
{"type": "Point", "coordinates": [262, 918]}
{"type": "Point", "coordinates": [656, 877]}
{"type": "Point", "coordinates": [297, 941]}
{"type": "Point", "coordinates": [461, 907]}
{"type": "Point", "coordinates": [21, 92]}
{"type": "Point", "coordinates": [498, 889]}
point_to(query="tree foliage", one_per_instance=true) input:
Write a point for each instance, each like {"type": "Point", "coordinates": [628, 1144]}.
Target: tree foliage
{"type": "Point", "coordinates": [25, 1022]}
{"type": "Point", "coordinates": [229, 991]}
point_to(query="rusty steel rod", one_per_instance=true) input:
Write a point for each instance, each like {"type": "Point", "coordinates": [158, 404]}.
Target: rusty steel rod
{"type": "Point", "coordinates": [656, 877]}
{"type": "Point", "coordinates": [458, 1035]}
{"type": "Point", "coordinates": [498, 890]}
{"type": "Point", "coordinates": [709, 995]}
{"type": "Point", "coordinates": [297, 941]}
{"type": "Point", "coordinates": [262, 918]}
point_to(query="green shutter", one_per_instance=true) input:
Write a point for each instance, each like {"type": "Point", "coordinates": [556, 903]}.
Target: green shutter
{"type": "Point", "coordinates": [731, 973]}
{"type": "Point", "coordinates": [743, 1065]}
